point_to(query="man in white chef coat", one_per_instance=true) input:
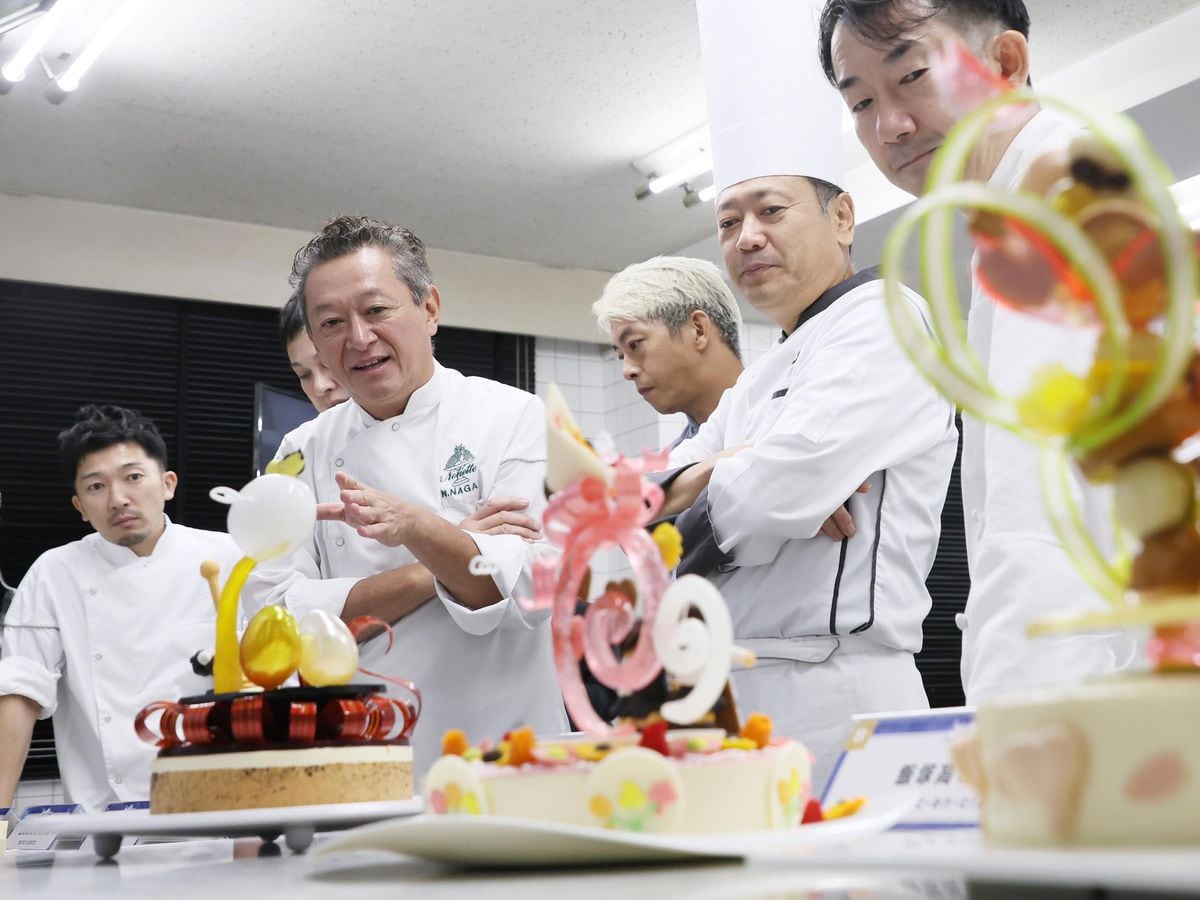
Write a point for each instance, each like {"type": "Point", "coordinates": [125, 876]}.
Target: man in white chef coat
{"type": "Point", "coordinates": [834, 624]}
{"type": "Point", "coordinates": [396, 470]}
{"type": "Point", "coordinates": [877, 55]}
{"type": "Point", "coordinates": [101, 627]}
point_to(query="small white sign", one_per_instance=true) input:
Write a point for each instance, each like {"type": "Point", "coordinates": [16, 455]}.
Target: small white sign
{"type": "Point", "coordinates": [887, 752]}
{"type": "Point", "coordinates": [28, 836]}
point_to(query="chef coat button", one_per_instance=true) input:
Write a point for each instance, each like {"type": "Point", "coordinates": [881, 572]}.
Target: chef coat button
{"type": "Point", "coordinates": [99, 656]}
{"type": "Point", "coordinates": [107, 719]}
{"type": "Point", "coordinates": [91, 592]}
{"type": "Point", "coordinates": [116, 779]}
{"type": "Point", "coordinates": [337, 462]}
{"type": "Point", "coordinates": [340, 542]}
{"type": "Point", "coordinates": [961, 621]}
{"type": "Point", "coordinates": [395, 426]}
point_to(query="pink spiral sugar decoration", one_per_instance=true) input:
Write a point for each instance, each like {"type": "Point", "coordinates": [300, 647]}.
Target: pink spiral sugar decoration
{"type": "Point", "coordinates": [582, 519]}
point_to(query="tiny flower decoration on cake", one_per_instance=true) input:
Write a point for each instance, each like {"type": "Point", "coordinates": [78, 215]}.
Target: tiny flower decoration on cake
{"type": "Point", "coordinates": [270, 517]}
{"type": "Point", "coordinates": [1091, 238]}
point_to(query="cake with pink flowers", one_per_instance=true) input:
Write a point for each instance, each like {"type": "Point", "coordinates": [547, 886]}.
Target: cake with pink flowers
{"type": "Point", "coordinates": [677, 758]}
{"type": "Point", "coordinates": [684, 780]}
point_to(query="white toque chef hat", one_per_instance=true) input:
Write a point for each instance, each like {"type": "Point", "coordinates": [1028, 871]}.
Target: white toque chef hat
{"type": "Point", "coordinates": [770, 109]}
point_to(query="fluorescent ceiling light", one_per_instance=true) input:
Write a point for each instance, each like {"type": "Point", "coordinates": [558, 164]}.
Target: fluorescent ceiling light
{"type": "Point", "coordinates": [1187, 195]}
{"type": "Point", "coordinates": [707, 193]}
{"type": "Point", "coordinates": [69, 80]}
{"type": "Point", "coordinates": [15, 13]}
{"type": "Point", "coordinates": [14, 69]}
{"type": "Point", "coordinates": [686, 172]}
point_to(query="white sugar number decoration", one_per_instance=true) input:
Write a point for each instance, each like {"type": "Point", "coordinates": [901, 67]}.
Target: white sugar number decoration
{"type": "Point", "coordinates": [696, 652]}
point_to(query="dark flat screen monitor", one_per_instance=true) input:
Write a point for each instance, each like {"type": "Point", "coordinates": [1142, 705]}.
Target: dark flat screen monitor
{"type": "Point", "coordinates": [276, 413]}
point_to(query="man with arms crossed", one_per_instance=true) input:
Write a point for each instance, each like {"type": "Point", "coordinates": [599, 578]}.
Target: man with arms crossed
{"type": "Point", "coordinates": [834, 624]}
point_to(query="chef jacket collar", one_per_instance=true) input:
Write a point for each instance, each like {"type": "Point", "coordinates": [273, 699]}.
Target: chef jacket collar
{"type": "Point", "coordinates": [116, 555]}
{"type": "Point", "coordinates": [827, 299]}
{"type": "Point", "coordinates": [423, 399]}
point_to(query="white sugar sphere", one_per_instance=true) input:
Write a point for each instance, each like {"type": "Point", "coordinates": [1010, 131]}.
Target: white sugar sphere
{"type": "Point", "coordinates": [271, 516]}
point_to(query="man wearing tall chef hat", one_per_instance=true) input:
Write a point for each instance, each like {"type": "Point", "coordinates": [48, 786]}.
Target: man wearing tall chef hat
{"type": "Point", "coordinates": [396, 470]}
{"type": "Point", "coordinates": [835, 403]}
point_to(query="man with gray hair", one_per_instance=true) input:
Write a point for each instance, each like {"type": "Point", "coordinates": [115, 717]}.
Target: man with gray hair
{"type": "Point", "coordinates": [395, 470]}
{"type": "Point", "coordinates": [674, 324]}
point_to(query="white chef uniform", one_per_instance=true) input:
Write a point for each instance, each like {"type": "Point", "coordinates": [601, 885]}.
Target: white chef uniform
{"type": "Point", "coordinates": [1019, 570]}
{"type": "Point", "coordinates": [834, 623]}
{"type": "Point", "coordinates": [95, 633]}
{"type": "Point", "coordinates": [458, 442]}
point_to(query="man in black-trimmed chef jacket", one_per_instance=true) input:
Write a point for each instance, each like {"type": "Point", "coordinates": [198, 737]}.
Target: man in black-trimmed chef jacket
{"type": "Point", "coordinates": [835, 624]}
{"type": "Point", "coordinates": [396, 471]}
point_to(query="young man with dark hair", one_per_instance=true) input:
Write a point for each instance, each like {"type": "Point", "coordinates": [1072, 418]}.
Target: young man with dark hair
{"type": "Point", "coordinates": [877, 54]}
{"type": "Point", "coordinates": [105, 625]}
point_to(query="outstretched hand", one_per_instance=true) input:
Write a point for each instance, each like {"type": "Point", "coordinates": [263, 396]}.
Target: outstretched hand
{"type": "Point", "coordinates": [370, 512]}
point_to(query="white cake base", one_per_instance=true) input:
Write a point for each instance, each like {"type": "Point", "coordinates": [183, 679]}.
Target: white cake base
{"type": "Point", "coordinates": [635, 789]}
{"type": "Point", "coordinates": [1110, 763]}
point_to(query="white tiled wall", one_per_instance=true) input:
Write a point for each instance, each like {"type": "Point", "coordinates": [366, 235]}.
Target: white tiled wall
{"type": "Point", "coordinates": [590, 378]}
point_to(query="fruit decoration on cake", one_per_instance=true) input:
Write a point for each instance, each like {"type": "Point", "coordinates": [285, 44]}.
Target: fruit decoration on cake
{"type": "Point", "coordinates": [252, 742]}
{"type": "Point", "coordinates": [1091, 239]}
{"type": "Point", "coordinates": [677, 759]}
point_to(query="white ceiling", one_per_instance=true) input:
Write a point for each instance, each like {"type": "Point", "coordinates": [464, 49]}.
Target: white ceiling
{"type": "Point", "coordinates": [499, 128]}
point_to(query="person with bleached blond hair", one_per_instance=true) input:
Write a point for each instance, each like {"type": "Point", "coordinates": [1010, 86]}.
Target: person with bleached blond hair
{"type": "Point", "coordinates": [674, 325]}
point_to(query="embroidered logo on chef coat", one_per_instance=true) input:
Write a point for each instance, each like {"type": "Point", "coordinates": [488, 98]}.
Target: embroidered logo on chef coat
{"type": "Point", "coordinates": [458, 475]}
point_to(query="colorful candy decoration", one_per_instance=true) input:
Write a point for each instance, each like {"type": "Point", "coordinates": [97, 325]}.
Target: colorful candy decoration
{"type": "Point", "coordinates": [328, 651]}
{"type": "Point", "coordinates": [273, 515]}
{"type": "Point", "coordinates": [1092, 238]}
{"type": "Point", "coordinates": [631, 769]}
{"type": "Point", "coordinates": [635, 789]}
{"type": "Point", "coordinates": [270, 517]}
{"type": "Point", "coordinates": [270, 648]}
{"type": "Point", "coordinates": [696, 651]}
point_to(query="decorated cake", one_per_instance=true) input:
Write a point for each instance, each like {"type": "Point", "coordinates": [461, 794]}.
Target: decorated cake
{"type": "Point", "coordinates": [676, 759]}
{"type": "Point", "coordinates": [1091, 239]}
{"type": "Point", "coordinates": [253, 743]}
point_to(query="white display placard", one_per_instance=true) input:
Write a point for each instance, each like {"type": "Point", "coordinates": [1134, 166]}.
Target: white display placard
{"type": "Point", "coordinates": [27, 835]}
{"type": "Point", "coordinates": [891, 751]}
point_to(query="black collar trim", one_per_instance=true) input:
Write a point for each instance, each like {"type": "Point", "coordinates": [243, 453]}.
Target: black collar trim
{"type": "Point", "coordinates": [828, 298]}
